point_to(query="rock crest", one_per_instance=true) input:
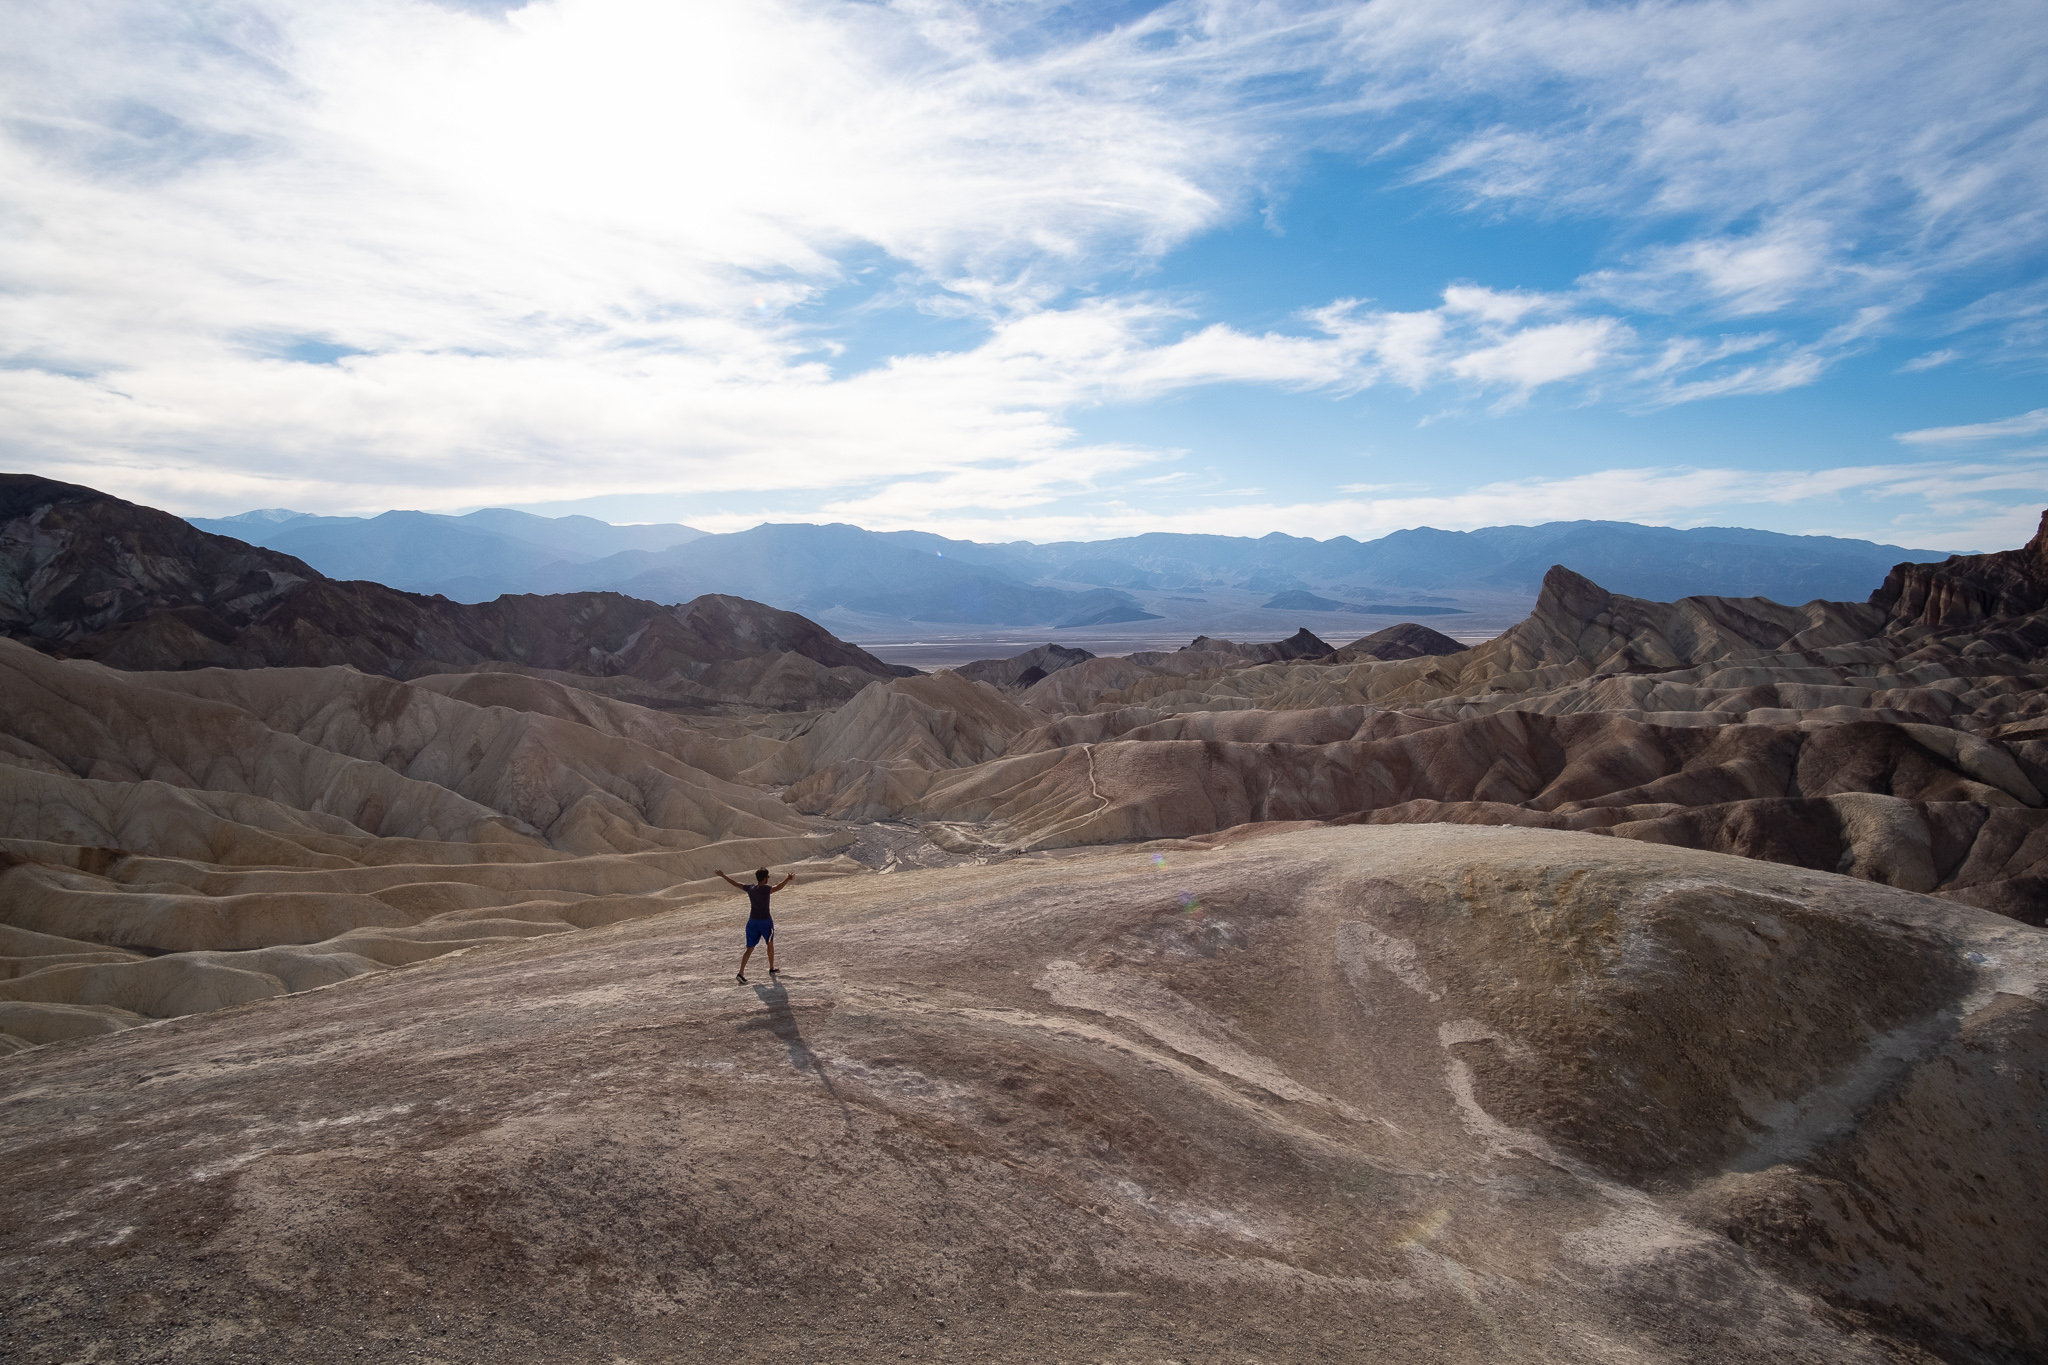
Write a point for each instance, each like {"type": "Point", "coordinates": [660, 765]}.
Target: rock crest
{"type": "Point", "coordinates": [1968, 590]}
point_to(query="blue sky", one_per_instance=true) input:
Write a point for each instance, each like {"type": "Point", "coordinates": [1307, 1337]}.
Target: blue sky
{"type": "Point", "coordinates": [1029, 270]}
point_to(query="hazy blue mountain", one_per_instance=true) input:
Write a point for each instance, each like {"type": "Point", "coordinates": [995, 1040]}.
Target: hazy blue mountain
{"type": "Point", "coordinates": [1299, 599]}
{"type": "Point", "coordinates": [1663, 564]}
{"type": "Point", "coordinates": [1180, 560]}
{"type": "Point", "coordinates": [572, 538]}
{"type": "Point", "coordinates": [915, 575]}
{"type": "Point", "coordinates": [262, 527]}
{"type": "Point", "coordinates": [1657, 562]}
{"type": "Point", "coordinates": [578, 538]}
{"type": "Point", "coordinates": [412, 551]}
{"type": "Point", "coordinates": [471, 558]}
{"type": "Point", "coordinates": [1013, 559]}
{"type": "Point", "coordinates": [816, 567]}
{"type": "Point", "coordinates": [262, 516]}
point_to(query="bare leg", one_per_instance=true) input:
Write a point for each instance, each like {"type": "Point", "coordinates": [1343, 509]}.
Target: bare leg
{"type": "Point", "coordinates": [743, 961]}
{"type": "Point", "coordinates": [771, 955]}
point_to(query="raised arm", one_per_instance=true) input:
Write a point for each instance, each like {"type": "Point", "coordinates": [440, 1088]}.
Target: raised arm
{"type": "Point", "coordinates": [742, 887]}
{"type": "Point", "coordinates": [785, 881]}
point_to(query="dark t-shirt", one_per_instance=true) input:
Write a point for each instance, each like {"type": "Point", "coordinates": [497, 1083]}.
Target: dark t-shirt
{"type": "Point", "coordinates": [758, 894]}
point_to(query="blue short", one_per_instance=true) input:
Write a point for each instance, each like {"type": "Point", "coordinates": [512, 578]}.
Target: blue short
{"type": "Point", "coordinates": [758, 929]}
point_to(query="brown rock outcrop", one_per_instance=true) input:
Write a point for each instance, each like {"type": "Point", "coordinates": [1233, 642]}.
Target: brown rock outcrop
{"type": "Point", "coordinates": [74, 562]}
{"type": "Point", "coordinates": [1083, 683]}
{"type": "Point", "coordinates": [1968, 590]}
{"type": "Point", "coordinates": [1303, 644]}
{"type": "Point", "coordinates": [1887, 802]}
{"type": "Point", "coordinates": [1022, 670]}
{"type": "Point", "coordinates": [1405, 641]}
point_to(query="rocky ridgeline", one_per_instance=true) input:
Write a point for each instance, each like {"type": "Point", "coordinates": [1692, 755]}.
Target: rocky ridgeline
{"type": "Point", "coordinates": [1969, 590]}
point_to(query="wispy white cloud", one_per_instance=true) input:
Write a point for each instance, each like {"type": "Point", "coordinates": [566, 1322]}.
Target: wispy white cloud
{"type": "Point", "coordinates": [1737, 276]}
{"type": "Point", "coordinates": [1796, 368]}
{"type": "Point", "coordinates": [1929, 361]}
{"type": "Point", "coordinates": [987, 427]}
{"type": "Point", "coordinates": [1753, 126]}
{"type": "Point", "coordinates": [338, 256]}
{"type": "Point", "coordinates": [2026, 424]}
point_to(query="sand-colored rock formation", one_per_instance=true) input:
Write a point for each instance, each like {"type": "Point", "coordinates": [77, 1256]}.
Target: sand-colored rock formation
{"type": "Point", "coordinates": [1379, 1055]}
{"type": "Point", "coordinates": [211, 810]}
{"type": "Point", "coordinates": [1824, 735]}
{"type": "Point", "coordinates": [264, 831]}
{"type": "Point", "coordinates": [1425, 1093]}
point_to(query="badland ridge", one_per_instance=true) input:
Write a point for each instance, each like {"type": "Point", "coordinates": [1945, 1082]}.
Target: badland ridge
{"type": "Point", "coordinates": [1656, 981]}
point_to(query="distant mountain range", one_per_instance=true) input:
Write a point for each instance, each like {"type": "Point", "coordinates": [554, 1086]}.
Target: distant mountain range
{"type": "Point", "coordinates": [1656, 562]}
{"type": "Point", "coordinates": [84, 575]}
{"type": "Point", "coordinates": [484, 555]}
{"type": "Point", "coordinates": [917, 576]}
{"type": "Point", "coordinates": [478, 556]}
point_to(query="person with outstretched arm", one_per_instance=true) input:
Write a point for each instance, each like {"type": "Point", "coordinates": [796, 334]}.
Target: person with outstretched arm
{"type": "Point", "coordinates": [760, 923]}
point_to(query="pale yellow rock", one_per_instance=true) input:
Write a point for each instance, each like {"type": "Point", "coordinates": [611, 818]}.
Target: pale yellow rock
{"type": "Point", "coordinates": [36, 1021]}
{"type": "Point", "coordinates": [586, 790]}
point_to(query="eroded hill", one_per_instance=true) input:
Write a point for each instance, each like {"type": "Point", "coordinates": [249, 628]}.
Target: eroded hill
{"type": "Point", "coordinates": [1842, 737]}
{"type": "Point", "coordinates": [1246, 1000]}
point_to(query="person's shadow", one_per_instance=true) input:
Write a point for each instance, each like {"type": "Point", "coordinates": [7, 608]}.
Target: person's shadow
{"type": "Point", "coordinates": [781, 1021]}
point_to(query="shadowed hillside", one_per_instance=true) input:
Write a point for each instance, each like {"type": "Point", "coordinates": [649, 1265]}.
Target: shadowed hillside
{"type": "Point", "coordinates": [84, 575]}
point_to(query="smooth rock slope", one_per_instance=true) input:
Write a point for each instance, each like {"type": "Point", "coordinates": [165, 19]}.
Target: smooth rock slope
{"type": "Point", "coordinates": [1427, 1094]}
